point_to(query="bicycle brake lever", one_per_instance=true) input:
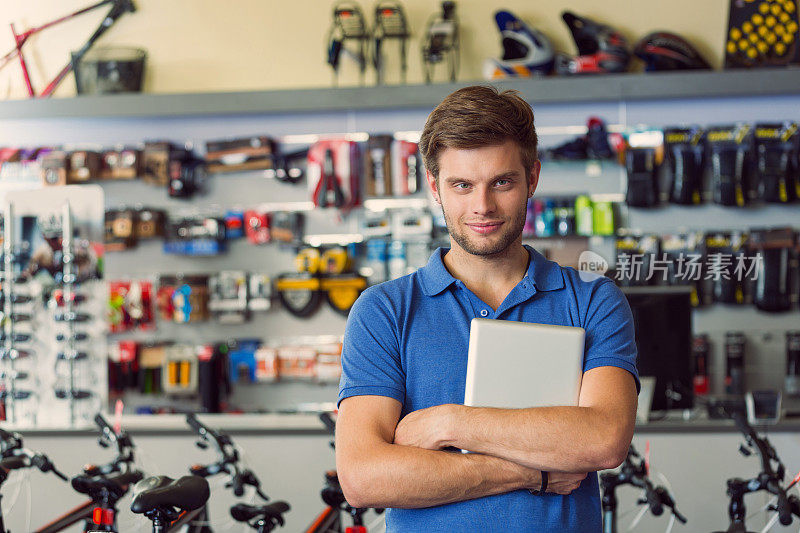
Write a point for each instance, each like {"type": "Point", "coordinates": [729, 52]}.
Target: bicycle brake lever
{"type": "Point", "coordinates": [745, 451]}
{"type": "Point", "coordinates": [59, 474]}
{"type": "Point", "coordinates": [43, 463]}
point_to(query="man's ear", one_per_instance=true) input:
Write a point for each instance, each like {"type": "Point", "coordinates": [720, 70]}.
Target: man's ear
{"type": "Point", "coordinates": [433, 185]}
{"type": "Point", "coordinates": [533, 177]}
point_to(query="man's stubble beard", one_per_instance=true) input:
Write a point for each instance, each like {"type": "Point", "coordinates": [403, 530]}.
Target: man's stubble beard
{"type": "Point", "coordinates": [512, 231]}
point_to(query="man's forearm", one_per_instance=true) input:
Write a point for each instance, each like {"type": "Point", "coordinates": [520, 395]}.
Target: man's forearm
{"type": "Point", "coordinates": [566, 439]}
{"type": "Point", "coordinates": [397, 476]}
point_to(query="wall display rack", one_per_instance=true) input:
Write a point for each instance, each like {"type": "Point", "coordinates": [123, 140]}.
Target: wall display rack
{"type": "Point", "coordinates": [624, 101]}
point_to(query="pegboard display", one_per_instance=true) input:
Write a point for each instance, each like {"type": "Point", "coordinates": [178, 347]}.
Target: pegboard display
{"type": "Point", "coordinates": [147, 264]}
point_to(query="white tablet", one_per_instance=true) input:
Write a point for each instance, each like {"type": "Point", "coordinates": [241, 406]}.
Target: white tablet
{"type": "Point", "coordinates": [520, 364]}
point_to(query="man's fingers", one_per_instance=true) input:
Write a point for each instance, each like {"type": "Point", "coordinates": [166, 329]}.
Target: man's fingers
{"type": "Point", "coordinates": [565, 483]}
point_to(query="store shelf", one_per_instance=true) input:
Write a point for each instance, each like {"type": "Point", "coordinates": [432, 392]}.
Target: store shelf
{"type": "Point", "coordinates": [310, 424]}
{"type": "Point", "coordinates": [174, 424]}
{"type": "Point", "coordinates": [618, 87]}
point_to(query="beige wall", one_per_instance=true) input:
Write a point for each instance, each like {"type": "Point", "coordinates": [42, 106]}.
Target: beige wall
{"type": "Point", "coordinates": [215, 45]}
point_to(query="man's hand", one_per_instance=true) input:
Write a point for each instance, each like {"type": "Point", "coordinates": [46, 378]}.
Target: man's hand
{"type": "Point", "coordinates": [426, 428]}
{"type": "Point", "coordinates": [562, 482]}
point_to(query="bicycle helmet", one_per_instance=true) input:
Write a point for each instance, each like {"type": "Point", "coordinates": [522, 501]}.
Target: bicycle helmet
{"type": "Point", "coordinates": [666, 51]}
{"type": "Point", "coordinates": [526, 51]}
{"type": "Point", "coordinates": [601, 49]}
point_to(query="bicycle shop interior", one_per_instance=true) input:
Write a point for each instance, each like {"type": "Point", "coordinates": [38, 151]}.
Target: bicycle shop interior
{"type": "Point", "coordinates": [195, 193]}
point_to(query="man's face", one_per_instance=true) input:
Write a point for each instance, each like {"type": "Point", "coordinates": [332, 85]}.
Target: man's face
{"type": "Point", "coordinates": [484, 194]}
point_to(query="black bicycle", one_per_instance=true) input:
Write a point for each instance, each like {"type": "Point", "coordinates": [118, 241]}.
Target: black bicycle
{"type": "Point", "coordinates": [262, 518]}
{"type": "Point", "coordinates": [330, 519]}
{"type": "Point", "coordinates": [633, 472]}
{"type": "Point", "coordinates": [15, 457]}
{"type": "Point", "coordinates": [103, 484]}
{"type": "Point", "coordinates": [770, 479]}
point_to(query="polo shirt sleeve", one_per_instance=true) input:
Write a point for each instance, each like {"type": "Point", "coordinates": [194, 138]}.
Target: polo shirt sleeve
{"type": "Point", "coordinates": [610, 332]}
{"type": "Point", "coordinates": [370, 353]}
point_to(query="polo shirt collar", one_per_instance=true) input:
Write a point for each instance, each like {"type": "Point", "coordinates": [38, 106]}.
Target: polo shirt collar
{"type": "Point", "coordinates": [434, 276]}
{"type": "Point", "coordinates": [545, 275]}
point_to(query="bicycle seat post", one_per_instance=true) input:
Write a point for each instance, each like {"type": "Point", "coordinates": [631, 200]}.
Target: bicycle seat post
{"type": "Point", "coordinates": [161, 519]}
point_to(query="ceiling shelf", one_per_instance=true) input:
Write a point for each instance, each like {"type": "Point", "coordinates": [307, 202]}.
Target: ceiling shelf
{"type": "Point", "coordinates": [556, 89]}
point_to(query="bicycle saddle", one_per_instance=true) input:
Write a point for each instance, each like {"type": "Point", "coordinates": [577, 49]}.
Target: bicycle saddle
{"type": "Point", "coordinates": [187, 493]}
{"type": "Point", "coordinates": [95, 485]}
{"type": "Point", "coordinates": [241, 512]}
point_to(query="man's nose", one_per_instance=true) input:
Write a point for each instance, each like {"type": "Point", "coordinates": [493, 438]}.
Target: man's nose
{"type": "Point", "coordinates": [483, 201]}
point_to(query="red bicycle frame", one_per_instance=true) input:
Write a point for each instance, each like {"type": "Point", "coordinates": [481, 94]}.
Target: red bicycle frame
{"type": "Point", "coordinates": [118, 8]}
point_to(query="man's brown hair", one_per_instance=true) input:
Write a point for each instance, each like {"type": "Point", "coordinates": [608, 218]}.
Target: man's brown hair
{"type": "Point", "coordinates": [478, 116]}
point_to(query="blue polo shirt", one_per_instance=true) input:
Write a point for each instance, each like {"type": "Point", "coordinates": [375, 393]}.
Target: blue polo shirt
{"type": "Point", "coordinates": [408, 339]}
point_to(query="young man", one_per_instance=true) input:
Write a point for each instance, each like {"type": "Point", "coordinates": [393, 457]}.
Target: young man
{"type": "Point", "coordinates": [405, 353]}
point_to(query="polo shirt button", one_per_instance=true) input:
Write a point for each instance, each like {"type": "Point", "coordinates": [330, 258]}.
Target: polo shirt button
{"type": "Point", "coordinates": [484, 312]}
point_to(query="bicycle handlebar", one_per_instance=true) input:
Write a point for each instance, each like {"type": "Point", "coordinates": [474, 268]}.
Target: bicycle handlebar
{"type": "Point", "coordinates": [635, 473]}
{"type": "Point", "coordinates": [246, 477]}
{"type": "Point", "coordinates": [770, 478]}
{"type": "Point", "coordinates": [14, 462]}
{"type": "Point", "coordinates": [124, 446]}
{"type": "Point", "coordinates": [43, 463]}
{"type": "Point", "coordinates": [784, 509]}
{"type": "Point", "coordinates": [228, 462]}
{"type": "Point", "coordinates": [9, 442]}
{"type": "Point", "coordinates": [653, 500]}
{"type": "Point", "coordinates": [220, 439]}
{"type": "Point", "coordinates": [329, 422]}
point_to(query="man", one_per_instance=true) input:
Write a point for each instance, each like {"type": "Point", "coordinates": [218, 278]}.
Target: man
{"type": "Point", "coordinates": [405, 353]}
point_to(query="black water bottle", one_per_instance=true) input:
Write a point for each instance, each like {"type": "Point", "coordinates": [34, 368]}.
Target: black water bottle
{"type": "Point", "coordinates": [734, 362]}
{"type": "Point", "coordinates": [792, 383]}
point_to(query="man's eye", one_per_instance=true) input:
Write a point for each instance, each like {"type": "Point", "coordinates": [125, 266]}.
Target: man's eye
{"type": "Point", "coordinates": [462, 186]}
{"type": "Point", "coordinates": [502, 183]}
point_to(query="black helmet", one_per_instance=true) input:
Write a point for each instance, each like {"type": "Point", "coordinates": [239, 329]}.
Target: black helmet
{"type": "Point", "coordinates": [601, 49]}
{"type": "Point", "coordinates": [666, 51]}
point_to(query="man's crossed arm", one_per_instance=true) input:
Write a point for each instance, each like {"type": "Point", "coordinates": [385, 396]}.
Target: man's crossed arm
{"type": "Point", "coordinates": [385, 464]}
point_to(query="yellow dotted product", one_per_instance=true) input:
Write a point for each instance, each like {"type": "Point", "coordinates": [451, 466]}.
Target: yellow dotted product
{"type": "Point", "coordinates": [788, 38]}
{"type": "Point", "coordinates": [736, 34]}
{"type": "Point", "coordinates": [789, 7]}
{"type": "Point", "coordinates": [334, 260]}
{"type": "Point", "coordinates": [752, 53]}
{"type": "Point", "coordinates": [770, 21]}
{"type": "Point", "coordinates": [775, 9]}
{"type": "Point", "coordinates": [779, 29]}
{"type": "Point", "coordinates": [308, 260]}
{"type": "Point", "coordinates": [792, 27]}
{"type": "Point", "coordinates": [780, 49]}
{"type": "Point", "coordinates": [747, 27]}
{"type": "Point", "coordinates": [757, 19]}
{"type": "Point", "coordinates": [784, 17]}
{"type": "Point", "coordinates": [763, 31]}
{"type": "Point", "coordinates": [763, 8]}
{"type": "Point", "coordinates": [762, 47]}
{"type": "Point", "coordinates": [731, 47]}
{"type": "Point", "coordinates": [771, 39]}
{"type": "Point", "coordinates": [743, 44]}
{"type": "Point", "coordinates": [753, 38]}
